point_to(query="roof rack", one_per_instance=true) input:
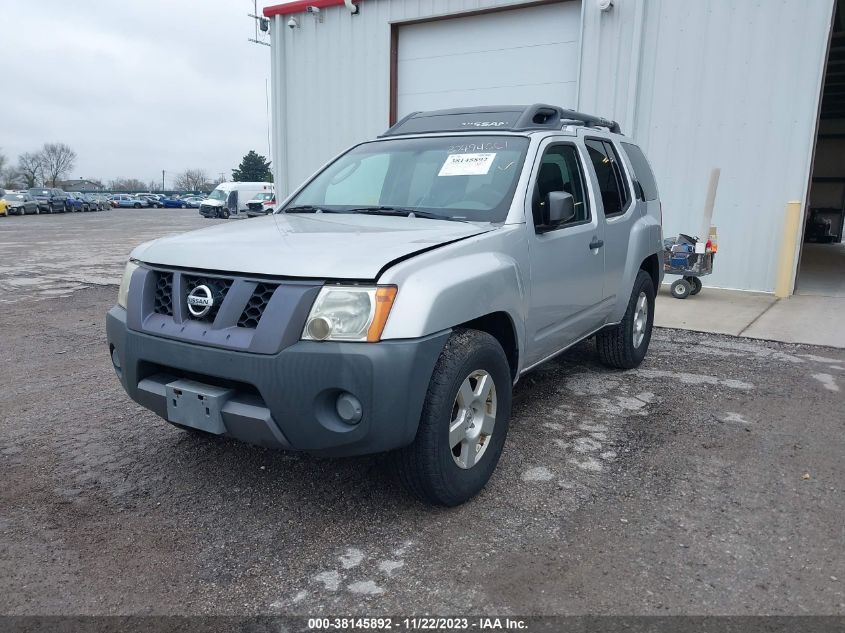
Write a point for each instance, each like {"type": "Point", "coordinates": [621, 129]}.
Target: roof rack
{"type": "Point", "coordinates": [538, 116]}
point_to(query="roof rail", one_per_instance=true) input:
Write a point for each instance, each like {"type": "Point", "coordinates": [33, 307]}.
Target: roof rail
{"type": "Point", "coordinates": [538, 116]}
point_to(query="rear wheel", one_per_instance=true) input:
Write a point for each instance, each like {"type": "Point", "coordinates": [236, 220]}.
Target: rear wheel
{"type": "Point", "coordinates": [136, 205]}
{"type": "Point", "coordinates": [464, 422]}
{"type": "Point", "coordinates": [695, 283]}
{"type": "Point", "coordinates": [624, 346]}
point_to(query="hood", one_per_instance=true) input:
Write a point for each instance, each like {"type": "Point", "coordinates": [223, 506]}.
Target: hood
{"type": "Point", "coordinates": [211, 203]}
{"type": "Point", "coordinates": [323, 246]}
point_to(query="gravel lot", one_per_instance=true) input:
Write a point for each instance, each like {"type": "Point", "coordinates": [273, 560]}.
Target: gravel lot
{"type": "Point", "coordinates": [709, 481]}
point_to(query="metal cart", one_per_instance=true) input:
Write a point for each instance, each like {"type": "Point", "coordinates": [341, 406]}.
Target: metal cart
{"type": "Point", "coordinates": [691, 266]}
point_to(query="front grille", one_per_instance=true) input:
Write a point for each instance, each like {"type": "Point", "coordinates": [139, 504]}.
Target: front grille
{"type": "Point", "coordinates": [219, 287]}
{"type": "Point", "coordinates": [164, 293]}
{"type": "Point", "coordinates": [255, 306]}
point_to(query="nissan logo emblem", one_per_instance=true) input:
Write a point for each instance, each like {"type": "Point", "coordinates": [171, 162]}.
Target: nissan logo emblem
{"type": "Point", "coordinates": [200, 301]}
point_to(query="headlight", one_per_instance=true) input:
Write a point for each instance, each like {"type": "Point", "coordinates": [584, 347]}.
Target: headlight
{"type": "Point", "coordinates": [349, 313]}
{"type": "Point", "coordinates": [131, 267]}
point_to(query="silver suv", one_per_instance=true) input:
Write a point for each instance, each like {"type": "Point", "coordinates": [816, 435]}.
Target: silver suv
{"type": "Point", "coordinates": [395, 298]}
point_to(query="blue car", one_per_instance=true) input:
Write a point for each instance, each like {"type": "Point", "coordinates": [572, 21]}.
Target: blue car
{"type": "Point", "coordinates": [175, 203]}
{"type": "Point", "coordinates": [74, 202]}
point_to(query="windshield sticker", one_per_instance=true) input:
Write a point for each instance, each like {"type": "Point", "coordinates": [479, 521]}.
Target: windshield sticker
{"type": "Point", "coordinates": [467, 164]}
{"type": "Point", "coordinates": [489, 146]}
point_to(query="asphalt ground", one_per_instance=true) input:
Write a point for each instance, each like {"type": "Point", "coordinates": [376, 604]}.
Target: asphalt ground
{"type": "Point", "coordinates": [708, 481]}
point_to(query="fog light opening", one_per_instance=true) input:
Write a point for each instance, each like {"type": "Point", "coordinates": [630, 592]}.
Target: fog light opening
{"type": "Point", "coordinates": [115, 359]}
{"type": "Point", "coordinates": [349, 408]}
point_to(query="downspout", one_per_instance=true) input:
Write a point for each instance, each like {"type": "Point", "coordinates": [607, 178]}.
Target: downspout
{"type": "Point", "coordinates": [578, 105]}
{"type": "Point", "coordinates": [634, 81]}
{"type": "Point", "coordinates": [279, 106]}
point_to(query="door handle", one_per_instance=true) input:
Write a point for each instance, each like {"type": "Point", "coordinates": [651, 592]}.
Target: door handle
{"type": "Point", "coordinates": [596, 244]}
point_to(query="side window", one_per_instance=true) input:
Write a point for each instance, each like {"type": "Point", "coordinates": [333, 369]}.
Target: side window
{"type": "Point", "coordinates": [355, 185]}
{"type": "Point", "coordinates": [614, 193]}
{"type": "Point", "coordinates": [560, 170]}
{"type": "Point", "coordinates": [642, 170]}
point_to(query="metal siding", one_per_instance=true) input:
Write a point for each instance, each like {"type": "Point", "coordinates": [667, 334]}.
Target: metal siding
{"type": "Point", "coordinates": [336, 74]}
{"type": "Point", "coordinates": [732, 85]}
{"type": "Point", "coordinates": [718, 83]}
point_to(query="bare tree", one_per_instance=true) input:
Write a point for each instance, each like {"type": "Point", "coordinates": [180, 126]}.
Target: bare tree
{"type": "Point", "coordinates": [10, 178]}
{"type": "Point", "coordinates": [126, 184]}
{"type": "Point", "coordinates": [191, 180]}
{"type": "Point", "coordinates": [57, 160]}
{"type": "Point", "coordinates": [31, 168]}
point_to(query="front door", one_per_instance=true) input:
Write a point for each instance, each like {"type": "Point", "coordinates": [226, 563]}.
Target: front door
{"type": "Point", "coordinates": [567, 261]}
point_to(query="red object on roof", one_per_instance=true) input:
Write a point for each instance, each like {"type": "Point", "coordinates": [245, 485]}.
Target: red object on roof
{"type": "Point", "coordinates": [299, 6]}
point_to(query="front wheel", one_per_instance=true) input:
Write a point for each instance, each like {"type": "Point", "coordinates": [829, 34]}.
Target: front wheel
{"type": "Point", "coordinates": [624, 346]}
{"type": "Point", "coordinates": [223, 213]}
{"type": "Point", "coordinates": [681, 289]}
{"type": "Point", "coordinates": [464, 422]}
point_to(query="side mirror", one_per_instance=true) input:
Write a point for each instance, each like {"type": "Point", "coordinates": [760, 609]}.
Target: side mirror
{"type": "Point", "coordinates": [559, 208]}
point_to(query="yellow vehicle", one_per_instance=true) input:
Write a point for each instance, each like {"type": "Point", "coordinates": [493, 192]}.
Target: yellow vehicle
{"type": "Point", "coordinates": [3, 206]}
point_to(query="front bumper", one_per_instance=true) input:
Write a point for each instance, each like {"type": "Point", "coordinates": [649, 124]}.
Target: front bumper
{"type": "Point", "coordinates": [287, 400]}
{"type": "Point", "coordinates": [207, 211]}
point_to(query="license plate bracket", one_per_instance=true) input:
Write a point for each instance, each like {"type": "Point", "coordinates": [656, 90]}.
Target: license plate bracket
{"type": "Point", "coordinates": [197, 405]}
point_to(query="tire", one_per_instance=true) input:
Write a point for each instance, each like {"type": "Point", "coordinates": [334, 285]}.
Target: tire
{"type": "Point", "coordinates": [183, 206]}
{"type": "Point", "coordinates": [428, 467]}
{"type": "Point", "coordinates": [223, 213]}
{"type": "Point", "coordinates": [624, 346]}
{"type": "Point", "coordinates": [695, 282]}
{"type": "Point", "coordinates": [681, 289]}
{"type": "Point", "coordinates": [136, 205]}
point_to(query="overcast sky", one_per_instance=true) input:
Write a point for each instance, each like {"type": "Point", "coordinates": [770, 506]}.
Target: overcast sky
{"type": "Point", "coordinates": [134, 86]}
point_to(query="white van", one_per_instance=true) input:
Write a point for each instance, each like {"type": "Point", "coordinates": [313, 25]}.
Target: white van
{"type": "Point", "coordinates": [230, 198]}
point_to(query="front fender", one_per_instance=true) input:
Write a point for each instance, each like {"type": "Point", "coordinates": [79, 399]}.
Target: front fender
{"type": "Point", "coordinates": [458, 283]}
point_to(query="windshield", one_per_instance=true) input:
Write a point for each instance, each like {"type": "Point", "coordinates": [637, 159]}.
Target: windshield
{"type": "Point", "coordinates": [13, 196]}
{"type": "Point", "coordinates": [264, 196]}
{"type": "Point", "coordinates": [456, 177]}
{"type": "Point", "coordinates": [39, 192]}
{"type": "Point", "coordinates": [218, 194]}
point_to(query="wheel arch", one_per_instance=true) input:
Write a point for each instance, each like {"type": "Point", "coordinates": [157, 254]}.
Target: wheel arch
{"type": "Point", "coordinates": [500, 326]}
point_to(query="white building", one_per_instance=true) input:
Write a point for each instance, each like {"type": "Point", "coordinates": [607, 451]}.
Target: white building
{"type": "Point", "coordinates": [729, 84]}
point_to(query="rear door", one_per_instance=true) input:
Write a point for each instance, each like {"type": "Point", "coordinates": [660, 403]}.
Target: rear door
{"type": "Point", "coordinates": [567, 267]}
{"type": "Point", "coordinates": [619, 208]}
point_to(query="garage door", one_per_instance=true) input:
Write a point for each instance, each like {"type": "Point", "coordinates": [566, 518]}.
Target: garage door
{"type": "Point", "coordinates": [516, 56]}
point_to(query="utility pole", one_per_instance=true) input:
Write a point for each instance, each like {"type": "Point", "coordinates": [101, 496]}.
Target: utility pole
{"type": "Point", "coordinates": [162, 180]}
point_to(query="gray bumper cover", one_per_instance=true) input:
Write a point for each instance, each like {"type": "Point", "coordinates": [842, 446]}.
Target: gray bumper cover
{"type": "Point", "coordinates": [287, 400]}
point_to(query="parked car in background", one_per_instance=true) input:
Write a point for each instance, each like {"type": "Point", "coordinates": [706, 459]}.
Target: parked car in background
{"type": "Point", "coordinates": [18, 203]}
{"type": "Point", "coordinates": [50, 200]}
{"type": "Point", "coordinates": [94, 202]}
{"type": "Point", "coordinates": [77, 202]}
{"type": "Point", "coordinates": [153, 199]}
{"type": "Point", "coordinates": [127, 201]}
{"type": "Point", "coordinates": [175, 203]}
{"type": "Point", "coordinates": [194, 202]}
{"type": "Point", "coordinates": [262, 204]}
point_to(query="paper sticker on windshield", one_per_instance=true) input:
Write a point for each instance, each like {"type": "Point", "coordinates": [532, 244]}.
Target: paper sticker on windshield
{"type": "Point", "coordinates": [467, 164]}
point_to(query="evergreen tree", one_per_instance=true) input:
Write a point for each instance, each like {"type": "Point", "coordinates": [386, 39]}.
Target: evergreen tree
{"type": "Point", "coordinates": [253, 168]}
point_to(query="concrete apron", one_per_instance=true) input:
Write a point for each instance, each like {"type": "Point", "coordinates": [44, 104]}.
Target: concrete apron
{"type": "Point", "coordinates": [813, 320]}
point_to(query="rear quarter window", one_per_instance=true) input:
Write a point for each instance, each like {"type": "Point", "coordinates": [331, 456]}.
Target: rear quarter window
{"type": "Point", "coordinates": [642, 170]}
